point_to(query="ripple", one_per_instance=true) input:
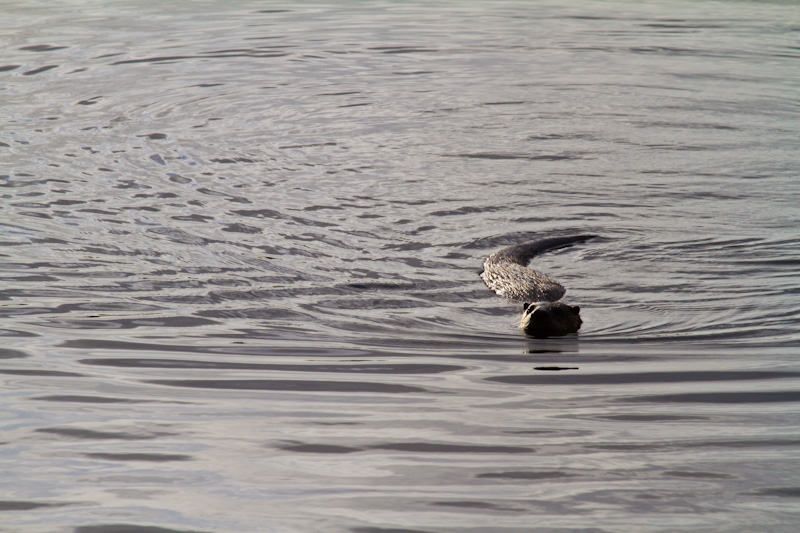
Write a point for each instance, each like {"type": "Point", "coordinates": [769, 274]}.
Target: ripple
{"type": "Point", "coordinates": [741, 397]}
{"type": "Point", "coordinates": [128, 528]}
{"type": "Point", "coordinates": [91, 434]}
{"type": "Point", "coordinates": [39, 70]}
{"type": "Point", "coordinates": [15, 505]}
{"type": "Point", "coordinates": [366, 368]}
{"type": "Point", "coordinates": [290, 385]}
{"type": "Point", "coordinates": [524, 475]}
{"type": "Point", "coordinates": [644, 377]}
{"type": "Point", "coordinates": [241, 252]}
{"type": "Point", "coordinates": [140, 457]}
{"type": "Point", "coordinates": [412, 447]}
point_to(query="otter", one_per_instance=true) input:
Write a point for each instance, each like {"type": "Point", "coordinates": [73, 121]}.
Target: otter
{"type": "Point", "coordinates": [543, 315]}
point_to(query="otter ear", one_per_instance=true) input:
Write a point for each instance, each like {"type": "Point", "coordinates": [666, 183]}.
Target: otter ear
{"type": "Point", "coordinates": [525, 307]}
{"type": "Point", "coordinates": [575, 309]}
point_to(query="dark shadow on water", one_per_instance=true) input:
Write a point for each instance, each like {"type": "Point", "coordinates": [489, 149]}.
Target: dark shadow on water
{"type": "Point", "coordinates": [87, 399]}
{"type": "Point", "coordinates": [659, 377]}
{"type": "Point", "coordinates": [523, 475]}
{"type": "Point", "coordinates": [6, 353]}
{"type": "Point", "coordinates": [433, 447]}
{"type": "Point", "coordinates": [364, 368]}
{"type": "Point", "coordinates": [783, 492]}
{"type": "Point", "coordinates": [649, 417]}
{"type": "Point", "coordinates": [719, 397]}
{"type": "Point", "coordinates": [413, 447]}
{"type": "Point", "coordinates": [145, 457]}
{"type": "Point", "coordinates": [478, 505]}
{"type": "Point", "coordinates": [15, 505]}
{"type": "Point", "coordinates": [47, 373]}
{"type": "Point", "coordinates": [288, 385]}
{"type": "Point", "coordinates": [697, 475]}
{"type": "Point", "coordinates": [78, 433]}
{"type": "Point", "coordinates": [128, 528]}
{"type": "Point", "coordinates": [688, 445]}
{"type": "Point", "coordinates": [320, 448]}
{"type": "Point", "coordinates": [387, 530]}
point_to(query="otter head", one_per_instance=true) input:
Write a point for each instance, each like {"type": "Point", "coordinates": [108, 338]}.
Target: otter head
{"type": "Point", "coordinates": [550, 319]}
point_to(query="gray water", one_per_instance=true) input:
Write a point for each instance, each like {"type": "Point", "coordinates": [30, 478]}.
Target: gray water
{"type": "Point", "coordinates": [240, 255]}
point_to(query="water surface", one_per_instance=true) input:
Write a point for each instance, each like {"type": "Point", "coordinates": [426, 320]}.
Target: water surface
{"type": "Point", "coordinates": [240, 255]}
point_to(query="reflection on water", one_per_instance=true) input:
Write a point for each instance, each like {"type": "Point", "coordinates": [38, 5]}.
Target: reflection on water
{"type": "Point", "coordinates": [241, 246]}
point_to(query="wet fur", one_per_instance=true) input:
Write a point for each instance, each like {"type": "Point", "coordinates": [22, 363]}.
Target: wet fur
{"type": "Point", "coordinates": [543, 315]}
{"type": "Point", "coordinates": [550, 319]}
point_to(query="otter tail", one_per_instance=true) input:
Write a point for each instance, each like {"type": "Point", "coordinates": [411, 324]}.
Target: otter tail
{"type": "Point", "coordinates": [522, 254]}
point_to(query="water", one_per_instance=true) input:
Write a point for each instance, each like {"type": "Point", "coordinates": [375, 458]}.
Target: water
{"type": "Point", "coordinates": [240, 256]}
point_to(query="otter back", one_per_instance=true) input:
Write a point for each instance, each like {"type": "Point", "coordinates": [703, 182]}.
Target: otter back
{"type": "Point", "coordinates": [517, 282]}
{"type": "Point", "coordinates": [506, 273]}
